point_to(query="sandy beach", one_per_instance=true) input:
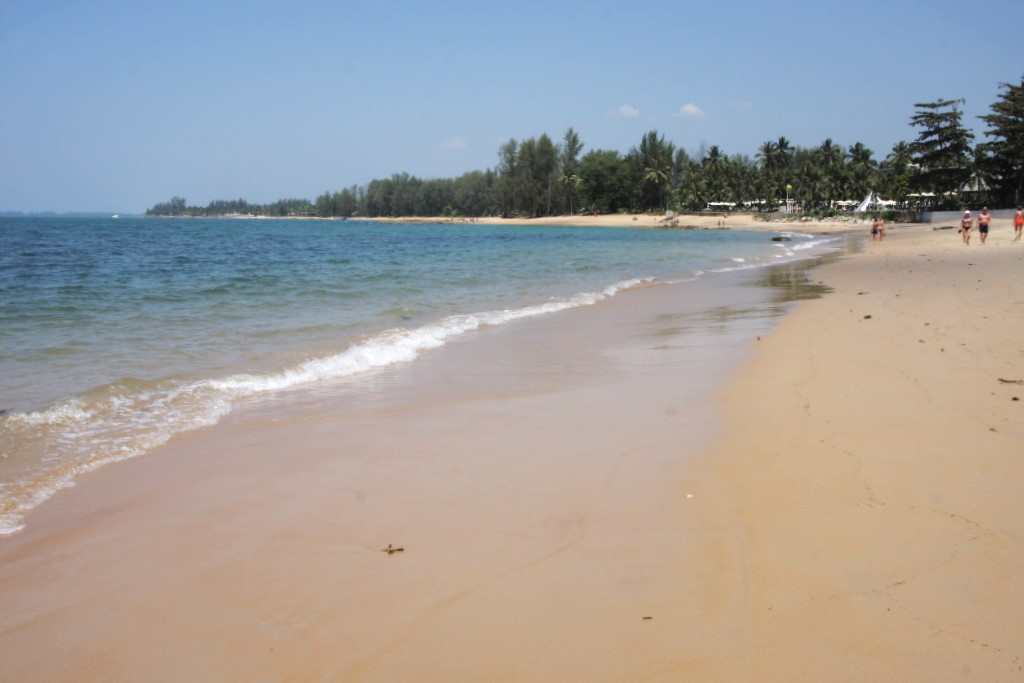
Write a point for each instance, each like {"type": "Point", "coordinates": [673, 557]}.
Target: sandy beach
{"type": "Point", "coordinates": [449, 342]}
{"type": "Point", "coordinates": [867, 486]}
{"type": "Point", "coordinates": [744, 221]}
{"type": "Point", "coordinates": [530, 475]}
{"type": "Point", "coordinates": [585, 498]}
{"type": "Point", "coordinates": [710, 221]}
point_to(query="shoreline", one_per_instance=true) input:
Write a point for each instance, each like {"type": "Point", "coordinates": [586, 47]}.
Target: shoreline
{"type": "Point", "coordinates": [481, 461]}
{"type": "Point", "coordinates": [36, 433]}
{"type": "Point", "coordinates": [840, 499]}
{"type": "Point", "coordinates": [734, 221]}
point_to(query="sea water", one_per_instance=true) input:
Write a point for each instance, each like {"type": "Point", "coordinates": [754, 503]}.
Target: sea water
{"type": "Point", "coordinates": [115, 335]}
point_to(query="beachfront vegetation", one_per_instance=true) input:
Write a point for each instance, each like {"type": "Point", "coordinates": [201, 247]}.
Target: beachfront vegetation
{"type": "Point", "coordinates": [1002, 157]}
{"type": "Point", "coordinates": [539, 177]}
{"type": "Point", "coordinates": [221, 207]}
{"type": "Point", "coordinates": [942, 150]}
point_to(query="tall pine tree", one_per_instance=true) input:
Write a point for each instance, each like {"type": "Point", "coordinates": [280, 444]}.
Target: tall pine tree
{"type": "Point", "coordinates": [942, 150]}
{"type": "Point", "coordinates": [1003, 154]}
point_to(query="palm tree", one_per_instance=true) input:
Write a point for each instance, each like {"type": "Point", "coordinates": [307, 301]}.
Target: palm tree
{"type": "Point", "coordinates": [785, 152]}
{"type": "Point", "coordinates": [656, 161]}
{"type": "Point", "coordinates": [661, 177]}
{"type": "Point", "coordinates": [768, 154]}
{"type": "Point", "coordinates": [832, 157]}
{"type": "Point", "coordinates": [896, 172]}
{"type": "Point", "coordinates": [714, 171]}
{"type": "Point", "coordinates": [862, 170]}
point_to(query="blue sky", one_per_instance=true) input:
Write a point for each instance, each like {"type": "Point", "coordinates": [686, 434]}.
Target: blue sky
{"type": "Point", "coordinates": [117, 105]}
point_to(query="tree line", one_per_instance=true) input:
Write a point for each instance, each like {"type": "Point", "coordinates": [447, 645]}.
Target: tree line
{"type": "Point", "coordinates": [541, 177]}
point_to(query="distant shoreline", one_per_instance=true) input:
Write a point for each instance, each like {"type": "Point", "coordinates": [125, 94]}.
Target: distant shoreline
{"type": "Point", "coordinates": [744, 221]}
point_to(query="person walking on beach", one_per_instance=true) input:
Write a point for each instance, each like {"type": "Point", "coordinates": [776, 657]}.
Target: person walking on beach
{"type": "Point", "coordinates": [1018, 224]}
{"type": "Point", "coordinates": [966, 223]}
{"type": "Point", "coordinates": [984, 218]}
{"type": "Point", "coordinates": [877, 229]}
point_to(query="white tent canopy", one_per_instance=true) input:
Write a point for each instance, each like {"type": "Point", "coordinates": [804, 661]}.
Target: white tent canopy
{"type": "Point", "coordinates": [975, 184]}
{"type": "Point", "coordinates": [872, 202]}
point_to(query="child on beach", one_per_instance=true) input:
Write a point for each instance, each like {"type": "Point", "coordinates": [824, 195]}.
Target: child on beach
{"type": "Point", "coordinates": [1018, 224]}
{"type": "Point", "coordinates": [966, 223]}
{"type": "Point", "coordinates": [983, 220]}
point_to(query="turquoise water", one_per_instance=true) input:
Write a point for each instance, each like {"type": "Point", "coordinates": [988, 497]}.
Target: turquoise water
{"type": "Point", "coordinates": [117, 334]}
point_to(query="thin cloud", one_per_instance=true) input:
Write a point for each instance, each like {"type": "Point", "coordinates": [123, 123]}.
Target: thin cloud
{"type": "Point", "coordinates": [627, 111]}
{"type": "Point", "coordinates": [456, 143]}
{"type": "Point", "coordinates": [691, 111]}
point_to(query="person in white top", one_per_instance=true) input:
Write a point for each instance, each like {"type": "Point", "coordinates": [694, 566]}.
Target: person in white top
{"type": "Point", "coordinates": [966, 223]}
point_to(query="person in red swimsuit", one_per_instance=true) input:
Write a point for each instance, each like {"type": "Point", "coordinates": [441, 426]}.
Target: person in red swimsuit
{"type": "Point", "coordinates": [1018, 224]}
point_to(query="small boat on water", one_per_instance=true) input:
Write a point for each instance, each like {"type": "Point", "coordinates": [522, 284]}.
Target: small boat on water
{"type": "Point", "coordinates": [116, 216]}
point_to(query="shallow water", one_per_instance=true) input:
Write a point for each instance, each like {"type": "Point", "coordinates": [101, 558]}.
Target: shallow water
{"type": "Point", "coordinates": [117, 334]}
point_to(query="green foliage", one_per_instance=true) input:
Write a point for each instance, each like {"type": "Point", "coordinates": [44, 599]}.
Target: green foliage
{"type": "Point", "coordinates": [537, 177]}
{"type": "Point", "coordinates": [896, 173]}
{"type": "Point", "coordinates": [569, 163]}
{"type": "Point", "coordinates": [175, 207]}
{"type": "Point", "coordinates": [654, 158]}
{"type": "Point", "coordinates": [942, 150]}
{"type": "Point", "coordinates": [236, 207]}
{"type": "Point", "coordinates": [1001, 159]}
{"type": "Point", "coordinates": [604, 181]}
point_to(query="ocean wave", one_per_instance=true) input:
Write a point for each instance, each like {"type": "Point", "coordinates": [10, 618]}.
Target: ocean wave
{"type": "Point", "coordinates": [788, 252]}
{"type": "Point", "coordinates": [66, 412]}
{"type": "Point", "coordinates": [130, 417]}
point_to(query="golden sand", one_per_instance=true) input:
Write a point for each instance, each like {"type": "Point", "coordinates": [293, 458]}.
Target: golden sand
{"type": "Point", "coordinates": [732, 221]}
{"type": "Point", "coordinates": [868, 485]}
{"type": "Point", "coordinates": [857, 517]}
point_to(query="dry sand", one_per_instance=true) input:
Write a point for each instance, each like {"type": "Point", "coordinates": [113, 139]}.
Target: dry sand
{"type": "Point", "coordinates": [867, 490]}
{"type": "Point", "coordinates": [736, 221]}
{"type": "Point", "coordinates": [857, 518]}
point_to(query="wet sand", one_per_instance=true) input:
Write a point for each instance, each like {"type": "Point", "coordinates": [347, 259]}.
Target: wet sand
{"type": "Point", "coordinates": [535, 476]}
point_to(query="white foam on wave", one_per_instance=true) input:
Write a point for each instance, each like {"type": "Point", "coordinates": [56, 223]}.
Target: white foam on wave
{"type": "Point", "coordinates": [66, 412]}
{"type": "Point", "coordinates": [789, 253]}
{"type": "Point", "coordinates": [123, 425]}
{"type": "Point", "coordinates": [400, 345]}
